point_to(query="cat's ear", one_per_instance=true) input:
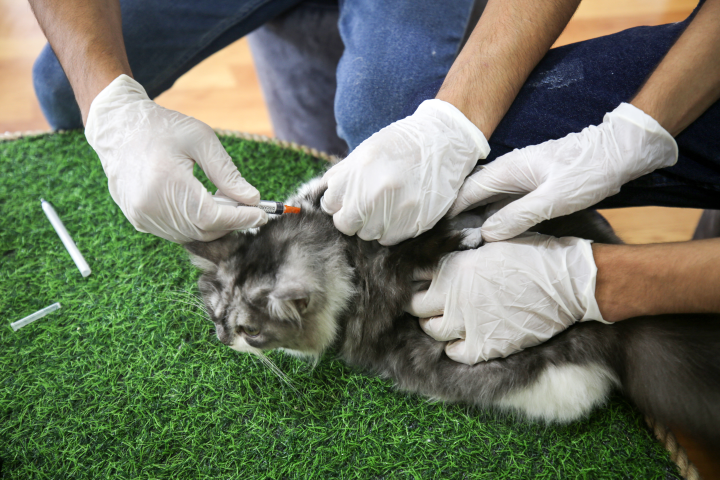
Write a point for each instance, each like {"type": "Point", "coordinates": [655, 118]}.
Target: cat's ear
{"type": "Point", "coordinates": [289, 300]}
{"type": "Point", "coordinates": [208, 255]}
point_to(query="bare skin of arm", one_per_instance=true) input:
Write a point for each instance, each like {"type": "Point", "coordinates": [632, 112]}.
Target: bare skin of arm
{"type": "Point", "coordinates": [673, 277]}
{"type": "Point", "coordinates": [510, 39]}
{"type": "Point", "coordinates": [86, 36]}
{"type": "Point", "coordinates": [684, 277]}
{"type": "Point", "coordinates": [508, 42]}
{"type": "Point", "coordinates": [636, 280]}
{"type": "Point", "coordinates": [687, 81]}
{"type": "Point", "coordinates": [512, 36]}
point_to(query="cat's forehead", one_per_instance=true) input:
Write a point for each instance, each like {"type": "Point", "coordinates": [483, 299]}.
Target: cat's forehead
{"type": "Point", "coordinates": [226, 273]}
{"type": "Point", "coordinates": [232, 298]}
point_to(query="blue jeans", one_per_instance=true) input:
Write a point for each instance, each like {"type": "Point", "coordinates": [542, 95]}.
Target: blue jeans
{"type": "Point", "coordinates": [391, 50]}
{"type": "Point", "coordinates": [575, 85]}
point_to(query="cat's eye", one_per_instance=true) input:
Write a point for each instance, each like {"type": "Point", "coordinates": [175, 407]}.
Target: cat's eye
{"type": "Point", "coordinates": [252, 331]}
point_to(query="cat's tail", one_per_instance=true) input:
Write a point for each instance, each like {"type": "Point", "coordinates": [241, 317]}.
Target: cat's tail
{"type": "Point", "coordinates": [670, 368]}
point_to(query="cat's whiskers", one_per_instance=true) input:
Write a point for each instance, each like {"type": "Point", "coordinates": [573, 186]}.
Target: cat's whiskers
{"type": "Point", "coordinates": [276, 370]}
{"type": "Point", "coordinates": [187, 295]}
{"type": "Point", "coordinates": [187, 298]}
{"type": "Point", "coordinates": [192, 304]}
{"type": "Point", "coordinates": [191, 300]}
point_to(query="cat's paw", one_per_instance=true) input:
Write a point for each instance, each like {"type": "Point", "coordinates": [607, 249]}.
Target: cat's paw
{"type": "Point", "coordinates": [472, 238]}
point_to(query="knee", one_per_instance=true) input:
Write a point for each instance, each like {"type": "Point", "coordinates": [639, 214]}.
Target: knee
{"type": "Point", "coordinates": [364, 107]}
{"type": "Point", "coordinates": [54, 92]}
{"type": "Point", "coordinates": [379, 75]}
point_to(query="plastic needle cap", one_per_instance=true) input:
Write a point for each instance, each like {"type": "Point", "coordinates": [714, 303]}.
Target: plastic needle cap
{"type": "Point", "coordinates": [32, 317]}
{"type": "Point", "coordinates": [66, 239]}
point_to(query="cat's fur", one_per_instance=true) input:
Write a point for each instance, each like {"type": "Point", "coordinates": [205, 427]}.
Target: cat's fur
{"type": "Point", "coordinates": [308, 288]}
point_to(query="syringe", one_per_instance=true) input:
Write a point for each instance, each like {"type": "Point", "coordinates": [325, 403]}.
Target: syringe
{"type": "Point", "coordinates": [269, 206]}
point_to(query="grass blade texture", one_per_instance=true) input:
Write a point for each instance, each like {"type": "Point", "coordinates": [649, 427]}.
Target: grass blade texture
{"type": "Point", "coordinates": [127, 380]}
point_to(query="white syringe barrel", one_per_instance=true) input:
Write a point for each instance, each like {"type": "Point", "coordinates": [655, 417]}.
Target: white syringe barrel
{"type": "Point", "coordinates": [65, 238]}
{"type": "Point", "coordinates": [269, 206]}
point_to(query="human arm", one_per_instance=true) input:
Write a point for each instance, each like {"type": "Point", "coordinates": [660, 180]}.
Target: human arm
{"type": "Point", "coordinates": [687, 81]}
{"type": "Point", "coordinates": [507, 296]}
{"type": "Point", "coordinates": [562, 176]}
{"type": "Point", "coordinates": [656, 279]}
{"type": "Point", "coordinates": [86, 36]}
{"type": "Point", "coordinates": [147, 151]}
{"type": "Point", "coordinates": [402, 180]}
{"type": "Point", "coordinates": [507, 43]}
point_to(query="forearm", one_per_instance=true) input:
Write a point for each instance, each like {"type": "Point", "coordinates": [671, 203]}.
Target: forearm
{"type": "Point", "coordinates": [507, 43]}
{"type": "Point", "coordinates": [86, 36]}
{"type": "Point", "coordinates": [657, 279]}
{"type": "Point", "coordinates": [687, 81]}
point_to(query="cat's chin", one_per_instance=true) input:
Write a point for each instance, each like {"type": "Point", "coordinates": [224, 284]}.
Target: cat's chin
{"type": "Point", "coordinates": [313, 357]}
{"type": "Point", "coordinates": [240, 345]}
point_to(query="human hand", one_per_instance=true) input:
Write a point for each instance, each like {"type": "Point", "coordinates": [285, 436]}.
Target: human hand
{"type": "Point", "coordinates": [560, 177]}
{"type": "Point", "coordinates": [148, 153]}
{"type": "Point", "coordinates": [503, 297]}
{"type": "Point", "coordinates": [402, 180]}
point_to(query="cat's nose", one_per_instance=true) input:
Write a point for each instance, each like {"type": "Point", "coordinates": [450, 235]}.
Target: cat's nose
{"type": "Point", "coordinates": [223, 335]}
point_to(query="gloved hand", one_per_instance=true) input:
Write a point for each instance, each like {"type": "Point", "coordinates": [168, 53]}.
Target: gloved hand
{"type": "Point", "coordinates": [506, 296]}
{"type": "Point", "coordinates": [148, 153]}
{"type": "Point", "coordinates": [402, 180]}
{"type": "Point", "coordinates": [563, 176]}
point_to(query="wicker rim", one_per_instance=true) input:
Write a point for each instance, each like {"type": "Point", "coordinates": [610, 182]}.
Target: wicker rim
{"type": "Point", "coordinates": [282, 143]}
{"type": "Point", "coordinates": [661, 432]}
{"type": "Point", "coordinates": [677, 453]}
{"type": "Point", "coordinates": [229, 133]}
{"type": "Point", "coordinates": [30, 133]}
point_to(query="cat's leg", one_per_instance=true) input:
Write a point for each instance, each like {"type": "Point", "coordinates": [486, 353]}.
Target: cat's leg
{"type": "Point", "coordinates": [587, 224]}
{"type": "Point", "coordinates": [471, 238]}
{"type": "Point", "coordinates": [562, 393]}
{"type": "Point", "coordinates": [469, 225]}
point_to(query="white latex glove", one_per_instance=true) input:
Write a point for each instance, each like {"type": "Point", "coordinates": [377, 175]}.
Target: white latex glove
{"type": "Point", "coordinates": [402, 180]}
{"type": "Point", "coordinates": [503, 297]}
{"type": "Point", "coordinates": [148, 153]}
{"type": "Point", "coordinates": [563, 176]}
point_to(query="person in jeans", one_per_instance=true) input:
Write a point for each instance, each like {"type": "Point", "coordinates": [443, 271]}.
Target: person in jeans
{"type": "Point", "coordinates": [625, 120]}
{"type": "Point", "coordinates": [106, 60]}
{"type": "Point", "coordinates": [524, 291]}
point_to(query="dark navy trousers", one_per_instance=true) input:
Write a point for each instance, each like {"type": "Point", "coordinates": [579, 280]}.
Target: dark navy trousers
{"type": "Point", "coordinates": [575, 85]}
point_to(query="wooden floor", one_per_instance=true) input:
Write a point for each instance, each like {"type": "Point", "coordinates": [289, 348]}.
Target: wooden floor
{"type": "Point", "coordinates": [223, 91]}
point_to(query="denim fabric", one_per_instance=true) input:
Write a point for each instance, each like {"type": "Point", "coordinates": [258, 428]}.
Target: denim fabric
{"type": "Point", "coordinates": [390, 50]}
{"type": "Point", "coordinates": [163, 40]}
{"type": "Point", "coordinates": [296, 56]}
{"type": "Point", "coordinates": [575, 85]}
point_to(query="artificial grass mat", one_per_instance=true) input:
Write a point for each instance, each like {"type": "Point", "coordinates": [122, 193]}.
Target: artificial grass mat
{"type": "Point", "coordinates": [127, 380]}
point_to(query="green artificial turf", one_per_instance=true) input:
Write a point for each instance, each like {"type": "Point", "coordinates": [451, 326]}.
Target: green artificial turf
{"type": "Point", "coordinates": [127, 380]}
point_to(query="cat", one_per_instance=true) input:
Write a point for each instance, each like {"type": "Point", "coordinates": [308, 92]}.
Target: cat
{"type": "Point", "coordinates": [300, 285]}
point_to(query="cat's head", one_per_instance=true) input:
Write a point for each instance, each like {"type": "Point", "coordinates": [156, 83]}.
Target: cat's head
{"type": "Point", "coordinates": [283, 285]}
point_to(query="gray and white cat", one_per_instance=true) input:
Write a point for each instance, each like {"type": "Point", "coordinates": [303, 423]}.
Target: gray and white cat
{"type": "Point", "coordinates": [300, 285]}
